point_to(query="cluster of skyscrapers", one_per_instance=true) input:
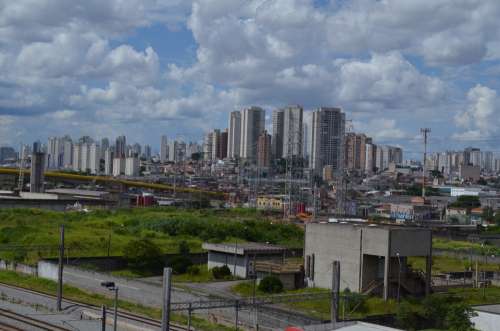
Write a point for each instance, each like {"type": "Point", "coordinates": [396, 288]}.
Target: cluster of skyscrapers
{"type": "Point", "coordinates": [449, 162]}
{"type": "Point", "coordinates": [320, 141]}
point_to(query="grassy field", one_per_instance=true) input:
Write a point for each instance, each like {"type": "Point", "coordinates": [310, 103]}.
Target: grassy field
{"type": "Point", "coordinates": [88, 234]}
{"type": "Point", "coordinates": [442, 264]}
{"type": "Point", "coordinates": [320, 308]}
{"type": "Point", "coordinates": [74, 293]}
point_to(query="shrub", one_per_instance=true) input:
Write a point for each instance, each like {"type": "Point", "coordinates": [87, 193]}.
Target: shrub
{"type": "Point", "coordinates": [221, 272]}
{"type": "Point", "coordinates": [271, 284]}
{"type": "Point", "coordinates": [143, 254]}
{"type": "Point", "coordinates": [180, 264]}
{"type": "Point", "coordinates": [193, 270]}
{"type": "Point", "coordinates": [354, 301]}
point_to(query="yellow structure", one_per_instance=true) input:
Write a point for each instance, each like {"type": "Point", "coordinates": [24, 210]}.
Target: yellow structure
{"type": "Point", "coordinates": [271, 202]}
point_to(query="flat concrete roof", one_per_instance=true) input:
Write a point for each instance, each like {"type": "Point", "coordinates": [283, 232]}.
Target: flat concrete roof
{"type": "Point", "coordinates": [362, 326]}
{"type": "Point", "coordinates": [79, 192]}
{"type": "Point", "coordinates": [244, 248]}
{"type": "Point", "coordinates": [493, 309]}
{"type": "Point", "coordinates": [373, 225]}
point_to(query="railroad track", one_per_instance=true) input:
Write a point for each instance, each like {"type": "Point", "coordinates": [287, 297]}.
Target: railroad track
{"type": "Point", "coordinates": [123, 314]}
{"type": "Point", "coordinates": [31, 323]}
{"type": "Point", "coordinates": [7, 327]}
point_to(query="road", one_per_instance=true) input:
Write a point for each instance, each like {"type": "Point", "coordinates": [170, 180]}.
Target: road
{"type": "Point", "coordinates": [148, 292]}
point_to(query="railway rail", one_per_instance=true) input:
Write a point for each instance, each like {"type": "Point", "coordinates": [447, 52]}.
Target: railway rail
{"type": "Point", "coordinates": [30, 322]}
{"type": "Point", "coordinates": [121, 314]}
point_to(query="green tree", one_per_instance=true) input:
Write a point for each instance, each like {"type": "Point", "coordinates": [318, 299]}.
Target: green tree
{"type": "Point", "coordinates": [467, 201]}
{"type": "Point", "coordinates": [143, 254]}
{"type": "Point", "coordinates": [184, 249]}
{"type": "Point", "coordinates": [271, 284]}
{"type": "Point", "coordinates": [458, 317]}
{"type": "Point", "coordinates": [406, 317]}
{"type": "Point", "coordinates": [488, 214]}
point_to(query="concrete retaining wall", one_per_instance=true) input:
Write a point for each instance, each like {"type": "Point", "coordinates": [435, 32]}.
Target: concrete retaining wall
{"type": "Point", "coordinates": [19, 267]}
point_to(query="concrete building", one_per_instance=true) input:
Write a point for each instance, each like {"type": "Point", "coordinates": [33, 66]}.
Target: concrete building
{"type": "Point", "coordinates": [132, 166]}
{"type": "Point", "coordinates": [469, 172]}
{"type": "Point", "coordinates": [67, 159]}
{"type": "Point", "coordinates": [252, 125]}
{"type": "Point", "coordinates": [208, 146]}
{"type": "Point", "coordinates": [77, 157]}
{"type": "Point", "coordinates": [121, 147]}
{"type": "Point", "coordinates": [118, 166]}
{"type": "Point", "coordinates": [277, 139]}
{"type": "Point", "coordinates": [234, 135]}
{"type": "Point", "coordinates": [372, 257]}
{"type": "Point", "coordinates": [164, 149]}
{"type": "Point", "coordinates": [94, 159]}
{"type": "Point", "coordinates": [240, 258]}
{"type": "Point", "coordinates": [108, 162]}
{"type": "Point", "coordinates": [355, 151]}
{"type": "Point", "coordinates": [328, 128]}
{"type": "Point", "coordinates": [264, 150]}
{"type": "Point", "coordinates": [37, 172]}
{"type": "Point", "coordinates": [292, 131]}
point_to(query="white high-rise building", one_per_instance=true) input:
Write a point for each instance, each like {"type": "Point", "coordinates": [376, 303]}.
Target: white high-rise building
{"type": "Point", "coordinates": [234, 135]}
{"type": "Point", "coordinates": [85, 155]}
{"type": "Point", "coordinates": [77, 157]}
{"type": "Point", "coordinates": [164, 149]}
{"type": "Point", "coordinates": [252, 125]}
{"type": "Point", "coordinates": [67, 159]}
{"type": "Point", "coordinates": [132, 166]}
{"type": "Point", "coordinates": [94, 158]}
{"type": "Point", "coordinates": [54, 153]}
{"type": "Point", "coordinates": [208, 146]}
{"type": "Point", "coordinates": [118, 166]}
{"type": "Point", "coordinates": [328, 130]}
{"type": "Point", "coordinates": [108, 162]}
{"type": "Point", "coordinates": [292, 131]}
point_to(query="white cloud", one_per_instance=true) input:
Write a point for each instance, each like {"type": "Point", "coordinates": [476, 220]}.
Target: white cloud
{"type": "Point", "coordinates": [480, 119]}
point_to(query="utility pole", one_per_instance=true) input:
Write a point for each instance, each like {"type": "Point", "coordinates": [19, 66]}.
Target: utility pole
{"type": "Point", "coordinates": [167, 285]}
{"type": "Point", "coordinates": [425, 132]}
{"type": "Point", "coordinates": [60, 269]}
{"type": "Point", "coordinates": [335, 292]}
{"type": "Point", "coordinates": [103, 318]}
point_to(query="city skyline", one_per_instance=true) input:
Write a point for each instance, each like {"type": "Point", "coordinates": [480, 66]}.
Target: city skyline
{"type": "Point", "coordinates": [169, 67]}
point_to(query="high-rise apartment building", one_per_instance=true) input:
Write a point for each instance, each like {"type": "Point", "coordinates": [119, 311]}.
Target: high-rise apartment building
{"type": "Point", "coordinates": [85, 155]}
{"type": "Point", "coordinates": [147, 152]}
{"type": "Point", "coordinates": [94, 160]}
{"type": "Point", "coordinates": [252, 125]}
{"type": "Point", "coordinates": [264, 150]}
{"type": "Point", "coordinates": [328, 129]}
{"type": "Point", "coordinates": [108, 162]}
{"type": "Point", "coordinates": [234, 135]}
{"type": "Point", "coordinates": [121, 146]}
{"type": "Point", "coordinates": [37, 172]}
{"type": "Point", "coordinates": [132, 166]}
{"type": "Point", "coordinates": [77, 157]}
{"type": "Point", "coordinates": [292, 131]}
{"type": "Point", "coordinates": [277, 139]}
{"type": "Point", "coordinates": [118, 166]}
{"type": "Point", "coordinates": [164, 149]}
{"type": "Point", "coordinates": [67, 157]}
{"type": "Point", "coordinates": [208, 146]}
{"type": "Point", "coordinates": [355, 151]}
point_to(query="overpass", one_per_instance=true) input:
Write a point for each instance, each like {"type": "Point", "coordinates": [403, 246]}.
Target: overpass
{"type": "Point", "coordinates": [116, 181]}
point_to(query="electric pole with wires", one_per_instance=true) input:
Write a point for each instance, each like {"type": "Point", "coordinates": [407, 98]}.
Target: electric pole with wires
{"type": "Point", "coordinates": [425, 132]}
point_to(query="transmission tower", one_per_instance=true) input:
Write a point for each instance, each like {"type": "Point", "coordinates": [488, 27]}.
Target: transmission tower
{"type": "Point", "coordinates": [425, 132]}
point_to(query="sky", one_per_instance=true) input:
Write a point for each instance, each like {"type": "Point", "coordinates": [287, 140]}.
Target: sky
{"type": "Point", "coordinates": [145, 68]}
